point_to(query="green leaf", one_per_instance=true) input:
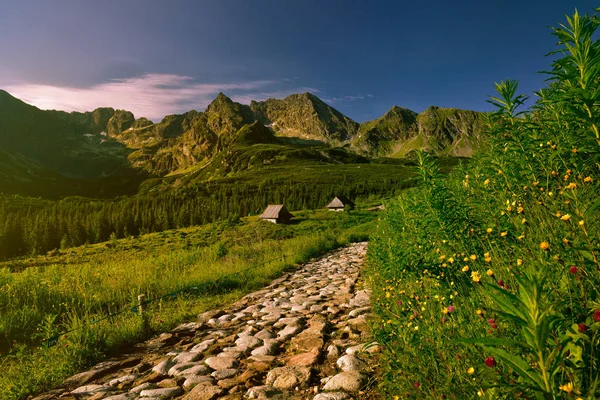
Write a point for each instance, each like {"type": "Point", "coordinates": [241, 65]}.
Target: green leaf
{"type": "Point", "coordinates": [491, 341]}
{"type": "Point", "coordinates": [519, 366]}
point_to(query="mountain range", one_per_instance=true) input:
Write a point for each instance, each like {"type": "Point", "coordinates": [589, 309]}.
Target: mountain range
{"type": "Point", "coordinates": [45, 150]}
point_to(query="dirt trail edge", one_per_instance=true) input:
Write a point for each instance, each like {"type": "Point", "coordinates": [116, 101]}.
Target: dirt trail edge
{"type": "Point", "coordinates": [305, 336]}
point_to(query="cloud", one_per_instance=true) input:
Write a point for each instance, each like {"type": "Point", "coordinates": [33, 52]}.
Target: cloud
{"type": "Point", "coordinates": [333, 100]}
{"type": "Point", "coordinates": [149, 95]}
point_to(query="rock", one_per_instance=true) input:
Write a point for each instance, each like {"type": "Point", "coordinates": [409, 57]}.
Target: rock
{"type": "Point", "coordinates": [143, 386]}
{"type": "Point", "coordinates": [194, 380]}
{"type": "Point", "coordinates": [100, 370]}
{"type": "Point", "coordinates": [350, 381]}
{"type": "Point", "coordinates": [269, 348]}
{"type": "Point", "coordinates": [331, 396]}
{"type": "Point", "coordinates": [333, 351]}
{"type": "Point", "coordinates": [187, 357]}
{"type": "Point", "coordinates": [363, 348]}
{"type": "Point", "coordinates": [88, 390]}
{"type": "Point", "coordinates": [350, 362]}
{"type": "Point", "coordinates": [265, 334]}
{"type": "Point", "coordinates": [122, 379]}
{"type": "Point", "coordinates": [287, 378]}
{"type": "Point", "coordinates": [121, 396]}
{"type": "Point", "coordinates": [304, 359]}
{"type": "Point", "coordinates": [361, 299]}
{"type": "Point", "coordinates": [203, 346]}
{"type": "Point", "coordinates": [165, 393]}
{"type": "Point", "coordinates": [219, 363]}
{"type": "Point", "coordinates": [227, 383]}
{"type": "Point", "coordinates": [288, 332]}
{"type": "Point", "coordinates": [264, 393]}
{"type": "Point", "coordinates": [163, 367]}
{"type": "Point", "coordinates": [225, 374]}
{"type": "Point", "coordinates": [204, 392]}
{"type": "Point", "coordinates": [306, 341]}
{"type": "Point", "coordinates": [248, 343]}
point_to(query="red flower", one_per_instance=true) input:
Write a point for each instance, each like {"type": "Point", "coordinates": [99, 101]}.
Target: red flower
{"type": "Point", "coordinates": [492, 323]}
{"type": "Point", "coordinates": [450, 309]}
{"type": "Point", "coordinates": [500, 282]}
{"type": "Point", "coordinates": [443, 319]}
{"type": "Point", "coordinates": [417, 384]}
{"type": "Point", "coordinates": [490, 362]}
{"type": "Point", "coordinates": [582, 327]}
{"type": "Point", "coordinates": [573, 270]}
{"type": "Point", "coordinates": [597, 315]}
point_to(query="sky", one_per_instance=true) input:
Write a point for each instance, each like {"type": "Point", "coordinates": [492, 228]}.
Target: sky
{"type": "Point", "coordinates": [156, 58]}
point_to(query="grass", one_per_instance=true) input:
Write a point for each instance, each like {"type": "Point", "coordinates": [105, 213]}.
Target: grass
{"type": "Point", "coordinates": [486, 282]}
{"type": "Point", "coordinates": [54, 294]}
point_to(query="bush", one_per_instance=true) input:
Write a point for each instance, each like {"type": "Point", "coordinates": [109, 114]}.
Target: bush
{"type": "Point", "coordinates": [486, 282]}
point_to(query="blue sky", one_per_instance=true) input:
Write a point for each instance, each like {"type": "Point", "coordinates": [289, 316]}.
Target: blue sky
{"type": "Point", "coordinates": [161, 57]}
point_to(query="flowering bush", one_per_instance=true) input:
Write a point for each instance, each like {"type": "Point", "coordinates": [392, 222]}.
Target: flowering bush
{"type": "Point", "coordinates": [486, 282]}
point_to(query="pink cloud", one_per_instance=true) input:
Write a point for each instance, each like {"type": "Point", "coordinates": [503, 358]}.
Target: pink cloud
{"type": "Point", "coordinates": [150, 95]}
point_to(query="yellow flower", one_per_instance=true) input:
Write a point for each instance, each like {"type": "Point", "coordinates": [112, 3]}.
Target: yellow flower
{"type": "Point", "coordinates": [396, 397]}
{"type": "Point", "coordinates": [451, 260]}
{"type": "Point", "coordinates": [486, 182]}
{"type": "Point", "coordinates": [479, 312]}
{"type": "Point", "coordinates": [558, 214]}
{"type": "Point", "coordinates": [445, 310]}
{"type": "Point", "coordinates": [523, 221]}
{"type": "Point", "coordinates": [480, 393]}
{"type": "Point", "coordinates": [520, 210]}
{"type": "Point", "coordinates": [567, 387]}
{"type": "Point", "coordinates": [488, 259]}
{"type": "Point", "coordinates": [475, 276]}
{"type": "Point", "coordinates": [489, 230]}
{"type": "Point", "coordinates": [566, 241]}
{"type": "Point", "coordinates": [544, 245]}
{"type": "Point", "coordinates": [566, 217]}
{"type": "Point", "coordinates": [571, 185]}
{"type": "Point", "coordinates": [519, 262]}
{"type": "Point", "coordinates": [490, 272]}
{"type": "Point", "coordinates": [473, 257]}
{"type": "Point", "coordinates": [471, 371]}
{"type": "Point", "coordinates": [442, 257]}
{"type": "Point", "coordinates": [465, 268]}
{"type": "Point", "coordinates": [503, 234]}
{"type": "Point", "coordinates": [582, 222]}
{"type": "Point", "coordinates": [466, 259]}
{"type": "Point", "coordinates": [588, 179]}
{"type": "Point", "coordinates": [388, 295]}
{"type": "Point", "coordinates": [500, 172]}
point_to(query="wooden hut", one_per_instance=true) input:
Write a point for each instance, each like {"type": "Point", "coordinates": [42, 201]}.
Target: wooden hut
{"type": "Point", "coordinates": [277, 214]}
{"type": "Point", "coordinates": [339, 203]}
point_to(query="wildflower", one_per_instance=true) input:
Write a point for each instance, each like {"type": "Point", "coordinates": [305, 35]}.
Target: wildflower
{"type": "Point", "coordinates": [523, 221]}
{"type": "Point", "coordinates": [442, 257]}
{"type": "Point", "coordinates": [473, 257]}
{"type": "Point", "coordinates": [520, 210]}
{"type": "Point", "coordinates": [451, 309]}
{"type": "Point", "coordinates": [417, 384]}
{"type": "Point", "coordinates": [488, 259]}
{"type": "Point", "coordinates": [582, 328]}
{"type": "Point", "coordinates": [443, 320]}
{"type": "Point", "coordinates": [492, 322]}
{"type": "Point", "coordinates": [490, 272]}
{"type": "Point", "coordinates": [399, 302]}
{"type": "Point", "coordinates": [489, 230]}
{"type": "Point", "coordinates": [503, 233]}
{"type": "Point", "coordinates": [566, 217]}
{"type": "Point", "coordinates": [588, 179]}
{"type": "Point", "coordinates": [597, 315]}
{"type": "Point", "coordinates": [568, 387]}
{"type": "Point", "coordinates": [573, 269]}
{"type": "Point", "coordinates": [480, 393]}
{"type": "Point", "coordinates": [451, 260]}
{"type": "Point", "coordinates": [575, 151]}
{"type": "Point", "coordinates": [486, 182]}
{"type": "Point", "coordinates": [471, 371]}
{"type": "Point", "coordinates": [475, 276]}
{"type": "Point", "coordinates": [388, 295]}
{"type": "Point", "coordinates": [500, 172]}
{"type": "Point", "coordinates": [500, 282]}
{"type": "Point", "coordinates": [479, 312]}
{"type": "Point", "coordinates": [490, 362]}
{"type": "Point", "coordinates": [571, 185]}
{"type": "Point", "coordinates": [396, 397]}
{"type": "Point", "coordinates": [558, 214]}
{"type": "Point", "coordinates": [544, 245]}
{"type": "Point", "coordinates": [581, 223]}
{"type": "Point", "coordinates": [465, 268]}
{"type": "Point", "coordinates": [565, 241]}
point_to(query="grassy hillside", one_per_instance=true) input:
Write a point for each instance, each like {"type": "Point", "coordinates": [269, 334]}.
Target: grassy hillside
{"type": "Point", "coordinates": [70, 289]}
{"type": "Point", "coordinates": [486, 282]}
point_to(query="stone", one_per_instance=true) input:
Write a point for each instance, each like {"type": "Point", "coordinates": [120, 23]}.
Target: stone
{"type": "Point", "coordinates": [203, 346]}
{"type": "Point", "coordinates": [333, 351]}
{"type": "Point", "coordinates": [227, 383]}
{"type": "Point", "coordinates": [194, 380]}
{"type": "Point", "coordinates": [306, 341]}
{"type": "Point", "coordinates": [350, 381]}
{"type": "Point", "coordinates": [121, 396]}
{"type": "Point", "coordinates": [288, 332]}
{"type": "Point", "coordinates": [164, 393]}
{"type": "Point", "coordinates": [122, 379]}
{"type": "Point", "coordinates": [350, 362]}
{"type": "Point", "coordinates": [219, 363]}
{"type": "Point", "coordinates": [248, 343]}
{"type": "Point", "coordinates": [225, 374]}
{"type": "Point", "coordinates": [88, 390]}
{"type": "Point", "coordinates": [269, 348]}
{"type": "Point", "coordinates": [204, 392]}
{"type": "Point", "coordinates": [265, 334]}
{"type": "Point", "coordinates": [331, 396]}
{"type": "Point", "coordinates": [187, 357]}
{"type": "Point", "coordinates": [163, 367]}
{"type": "Point", "coordinates": [287, 378]}
{"type": "Point", "coordinates": [167, 383]}
{"type": "Point", "coordinates": [264, 393]}
{"type": "Point", "coordinates": [305, 359]}
{"type": "Point", "coordinates": [363, 348]}
{"type": "Point", "coordinates": [143, 386]}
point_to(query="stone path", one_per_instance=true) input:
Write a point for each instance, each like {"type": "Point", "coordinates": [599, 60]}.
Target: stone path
{"type": "Point", "coordinates": [305, 336]}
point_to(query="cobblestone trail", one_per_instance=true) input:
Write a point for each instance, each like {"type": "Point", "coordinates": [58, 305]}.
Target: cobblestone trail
{"type": "Point", "coordinates": [303, 337]}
